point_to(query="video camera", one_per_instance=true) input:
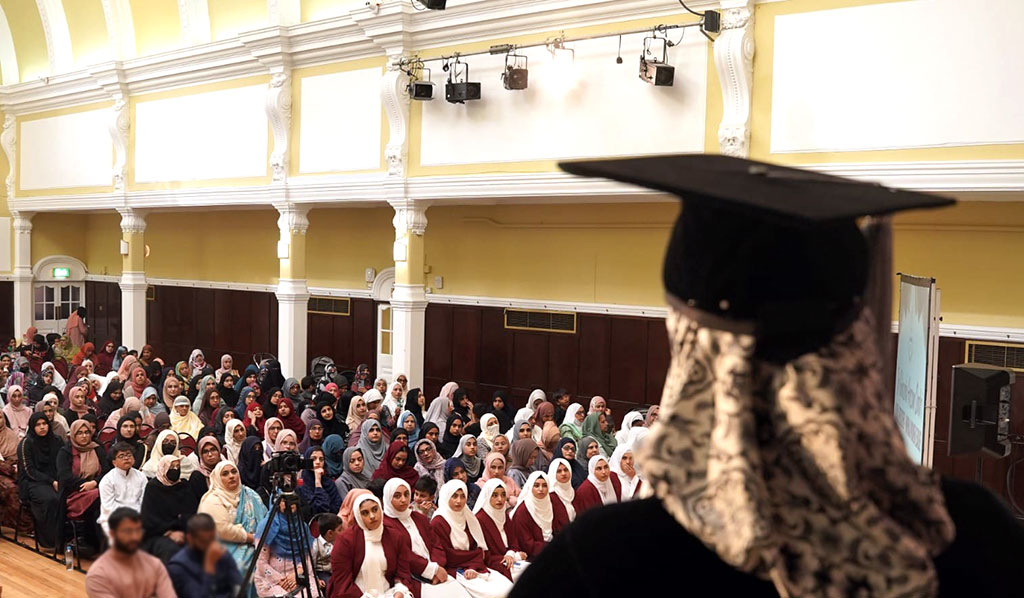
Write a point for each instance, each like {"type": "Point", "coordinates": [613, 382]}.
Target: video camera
{"type": "Point", "coordinates": [284, 465]}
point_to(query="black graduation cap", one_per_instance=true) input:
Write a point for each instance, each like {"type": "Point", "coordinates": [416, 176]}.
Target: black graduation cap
{"type": "Point", "coordinates": [762, 244]}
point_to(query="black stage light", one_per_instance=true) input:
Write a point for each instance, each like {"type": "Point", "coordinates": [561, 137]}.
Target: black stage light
{"type": "Point", "coordinates": [458, 90]}
{"type": "Point", "coordinates": [516, 74]}
{"type": "Point", "coordinates": [656, 70]}
{"type": "Point", "coordinates": [433, 4]}
{"type": "Point", "coordinates": [422, 88]}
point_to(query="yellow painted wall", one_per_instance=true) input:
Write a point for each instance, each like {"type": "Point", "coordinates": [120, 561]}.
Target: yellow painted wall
{"type": "Point", "coordinates": [157, 26]}
{"type": "Point", "coordinates": [228, 18]}
{"type": "Point", "coordinates": [760, 139]}
{"type": "Point", "coordinates": [29, 38]}
{"type": "Point", "coordinates": [88, 28]}
{"type": "Point", "coordinates": [223, 246]}
{"type": "Point", "coordinates": [343, 242]}
{"type": "Point", "coordinates": [59, 234]}
{"type": "Point", "coordinates": [102, 243]}
{"type": "Point", "coordinates": [973, 251]}
{"type": "Point", "coordinates": [597, 253]}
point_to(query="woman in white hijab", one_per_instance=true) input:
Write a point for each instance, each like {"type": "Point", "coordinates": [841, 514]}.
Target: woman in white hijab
{"type": "Point", "coordinates": [628, 422]}
{"type": "Point", "coordinates": [164, 443]}
{"type": "Point", "coordinates": [233, 445]}
{"type": "Point", "coordinates": [560, 478]}
{"type": "Point", "coordinates": [491, 513]}
{"type": "Point", "coordinates": [601, 487]}
{"type": "Point", "coordinates": [536, 398]}
{"type": "Point", "coordinates": [535, 520]}
{"type": "Point", "coordinates": [58, 380]}
{"type": "Point", "coordinates": [622, 466]}
{"type": "Point", "coordinates": [489, 429]}
{"type": "Point", "coordinates": [434, 580]}
{"type": "Point", "coordinates": [438, 412]}
{"type": "Point", "coordinates": [459, 534]}
{"type": "Point", "coordinates": [369, 559]}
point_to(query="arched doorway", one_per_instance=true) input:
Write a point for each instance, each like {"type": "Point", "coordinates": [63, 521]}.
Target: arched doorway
{"type": "Point", "coordinates": [58, 288]}
{"type": "Point", "coordinates": [383, 286]}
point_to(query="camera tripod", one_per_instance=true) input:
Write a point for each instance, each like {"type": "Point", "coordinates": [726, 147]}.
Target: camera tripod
{"type": "Point", "coordinates": [298, 541]}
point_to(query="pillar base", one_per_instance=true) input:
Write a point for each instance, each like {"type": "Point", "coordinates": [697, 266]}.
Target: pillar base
{"type": "Point", "coordinates": [133, 309]}
{"type": "Point", "coordinates": [292, 305]}
{"type": "Point", "coordinates": [22, 278]}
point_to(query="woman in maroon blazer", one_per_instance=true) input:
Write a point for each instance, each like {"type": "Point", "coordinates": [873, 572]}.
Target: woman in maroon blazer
{"type": "Point", "coordinates": [536, 520]}
{"type": "Point", "coordinates": [427, 559]}
{"type": "Point", "coordinates": [600, 488]}
{"type": "Point", "coordinates": [356, 560]}
{"type": "Point", "coordinates": [458, 532]}
{"type": "Point", "coordinates": [490, 512]}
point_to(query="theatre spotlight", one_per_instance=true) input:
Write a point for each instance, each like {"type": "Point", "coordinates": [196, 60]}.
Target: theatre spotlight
{"type": "Point", "coordinates": [458, 89]}
{"type": "Point", "coordinates": [431, 4]}
{"type": "Point", "coordinates": [655, 69]}
{"type": "Point", "coordinates": [516, 74]}
{"type": "Point", "coordinates": [422, 88]}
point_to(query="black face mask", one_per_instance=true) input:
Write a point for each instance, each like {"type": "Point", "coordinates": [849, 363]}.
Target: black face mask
{"type": "Point", "coordinates": [173, 475]}
{"type": "Point", "coordinates": [168, 448]}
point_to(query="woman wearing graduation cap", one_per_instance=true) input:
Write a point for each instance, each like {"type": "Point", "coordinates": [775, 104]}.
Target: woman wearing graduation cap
{"type": "Point", "coordinates": [773, 467]}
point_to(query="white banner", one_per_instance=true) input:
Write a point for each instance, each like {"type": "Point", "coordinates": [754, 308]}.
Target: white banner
{"type": "Point", "coordinates": [914, 404]}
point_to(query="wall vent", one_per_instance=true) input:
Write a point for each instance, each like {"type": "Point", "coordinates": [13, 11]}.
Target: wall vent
{"type": "Point", "coordinates": [1002, 355]}
{"type": "Point", "coordinates": [330, 306]}
{"type": "Point", "coordinates": [541, 321]}
{"type": "Point", "coordinates": [150, 292]}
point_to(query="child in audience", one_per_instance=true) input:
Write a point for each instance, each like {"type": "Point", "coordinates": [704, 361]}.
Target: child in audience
{"type": "Point", "coordinates": [423, 496]}
{"type": "Point", "coordinates": [330, 526]}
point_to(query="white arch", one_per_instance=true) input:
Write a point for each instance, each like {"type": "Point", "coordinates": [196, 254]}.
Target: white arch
{"type": "Point", "coordinates": [58, 37]}
{"type": "Point", "coordinates": [383, 285]}
{"type": "Point", "coordinates": [8, 58]}
{"type": "Point", "coordinates": [120, 28]}
{"type": "Point", "coordinates": [43, 269]}
{"type": "Point", "coordinates": [195, 22]}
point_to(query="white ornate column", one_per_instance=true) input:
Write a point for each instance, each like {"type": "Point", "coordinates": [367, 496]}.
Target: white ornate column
{"type": "Point", "coordinates": [292, 291]}
{"type": "Point", "coordinates": [133, 278]}
{"type": "Point", "coordinates": [22, 271]}
{"type": "Point", "coordinates": [409, 298]}
{"type": "Point", "coordinates": [9, 143]}
{"type": "Point", "coordinates": [119, 125]}
{"type": "Point", "coordinates": [279, 113]}
{"type": "Point", "coordinates": [395, 97]}
{"type": "Point", "coordinates": [734, 59]}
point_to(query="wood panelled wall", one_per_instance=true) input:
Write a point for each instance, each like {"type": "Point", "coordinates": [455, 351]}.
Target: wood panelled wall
{"type": "Point", "coordinates": [103, 300]}
{"type": "Point", "coordinates": [7, 330]}
{"type": "Point", "coordinates": [217, 321]}
{"type": "Point", "coordinates": [348, 340]}
{"type": "Point", "coordinates": [623, 359]}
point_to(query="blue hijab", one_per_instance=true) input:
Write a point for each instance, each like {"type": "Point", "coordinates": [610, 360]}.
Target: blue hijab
{"type": "Point", "coordinates": [249, 369]}
{"type": "Point", "coordinates": [334, 449]}
{"type": "Point", "coordinates": [415, 434]}
{"type": "Point", "coordinates": [241, 404]}
{"type": "Point", "coordinates": [277, 536]}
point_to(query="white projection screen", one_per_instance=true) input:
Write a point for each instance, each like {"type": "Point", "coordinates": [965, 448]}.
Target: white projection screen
{"type": "Point", "coordinates": [916, 352]}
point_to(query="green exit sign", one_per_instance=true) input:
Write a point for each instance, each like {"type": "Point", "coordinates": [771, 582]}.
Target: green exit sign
{"type": "Point", "coordinates": [62, 272]}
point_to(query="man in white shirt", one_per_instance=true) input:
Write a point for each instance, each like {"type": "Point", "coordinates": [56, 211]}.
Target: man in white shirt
{"type": "Point", "coordinates": [122, 486]}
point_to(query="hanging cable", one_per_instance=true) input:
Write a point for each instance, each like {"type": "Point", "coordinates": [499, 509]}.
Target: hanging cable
{"type": "Point", "coordinates": [690, 10]}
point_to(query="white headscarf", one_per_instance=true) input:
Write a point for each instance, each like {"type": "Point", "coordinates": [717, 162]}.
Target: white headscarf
{"type": "Point", "coordinates": [627, 424]}
{"type": "Point", "coordinates": [232, 447]}
{"type": "Point", "coordinates": [459, 520]}
{"type": "Point", "coordinates": [149, 467]}
{"type": "Point", "coordinates": [58, 380]}
{"type": "Point", "coordinates": [564, 490]}
{"type": "Point", "coordinates": [438, 412]}
{"type": "Point", "coordinates": [483, 503]}
{"type": "Point", "coordinates": [404, 517]}
{"type": "Point", "coordinates": [371, 535]}
{"type": "Point", "coordinates": [540, 510]}
{"type": "Point", "coordinates": [370, 578]}
{"type": "Point", "coordinates": [605, 489]}
{"type": "Point", "coordinates": [487, 437]}
{"type": "Point", "coordinates": [570, 414]}
{"type": "Point", "coordinates": [537, 396]}
{"type": "Point", "coordinates": [629, 484]}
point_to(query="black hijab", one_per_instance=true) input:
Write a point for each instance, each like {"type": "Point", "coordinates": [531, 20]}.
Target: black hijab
{"type": "Point", "coordinates": [449, 442]}
{"type": "Point", "coordinates": [270, 409]}
{"type": "Point", "coordinates": [167, 507]}
{"type": "Point", "coordinates": [412, 403]}
{"type": "Point", "coordinates": [579, 473]}
{"type": "Point", "coordinates": [138, 446]}
{"type": "Point", "coordinates": [333, 425]}
{"type": "Point", "coordinates": [272, 378]}
{"type": "Point", "coordinates": [107, 404]}
{"type": "Point", "coordinates": [504, 415]}
{"type": "Point", "coordinates": [219, 427]}
{"type": "Point", "coordinates": [228, 394]}
{"type": "Point", "coordinates": [426, 428]}
{"type": "Point", "coordinates": [250, 461]}
{"type": "Point", "coordinates": [43, 449]}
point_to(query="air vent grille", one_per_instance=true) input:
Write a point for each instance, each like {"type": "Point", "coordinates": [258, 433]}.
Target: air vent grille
{"type": "Point", "coordinates": [150, 293]}
{"type": "Point", "coordinates": [998, 354]}
{"type": "Point", "coordinates": [541, 321]}
{"type": "Point", "coordinates": [330, 306]}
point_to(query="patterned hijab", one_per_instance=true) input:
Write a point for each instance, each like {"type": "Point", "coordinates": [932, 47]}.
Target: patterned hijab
{"type": "Point", "coordinates": [791, 474]}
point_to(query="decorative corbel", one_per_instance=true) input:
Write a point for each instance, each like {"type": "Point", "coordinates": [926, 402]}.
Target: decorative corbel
{"type": "Point", "coordinates": [410, 217]}
{"type": "Point", "coordinates": [734, 59]}
{"type": "Point", "coordinates": [395, 97]}
{"type": "Point", "coordinates": [9, 141]}
{"type": "Point", "coordinates": [119, 125]}
{"type": "Point", "coordinates": [279, 113]}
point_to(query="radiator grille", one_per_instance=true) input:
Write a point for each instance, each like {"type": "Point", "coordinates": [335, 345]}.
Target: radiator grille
{"type": "Point", "coordinates": [540, 321]}
{"type": "Point", "coordinates": [998, 354]}
{"type": "Point", "coordinates": [330, 306]}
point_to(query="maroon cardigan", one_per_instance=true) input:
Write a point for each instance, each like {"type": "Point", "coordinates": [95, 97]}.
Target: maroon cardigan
{"type": "Point", "coordinates": [417, 563]}
{"type": "Point", "coordinates": [496, 547]}
{"type": "Point", "coordinates": [587, 496]}
{"type": "Point", "coordinates": [347, 559]}
{"type": "Point", "coordinates": [528, 536]}
{"type": "Point", "coordinates": [456, 559]}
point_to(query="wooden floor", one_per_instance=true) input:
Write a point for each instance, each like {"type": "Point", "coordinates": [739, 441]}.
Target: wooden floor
{"type": "Point", "coordinates": [26, 574]}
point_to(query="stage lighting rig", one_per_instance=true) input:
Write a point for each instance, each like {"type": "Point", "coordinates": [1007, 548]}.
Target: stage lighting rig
{"type": "Point", "coordinates": [654, 68]}
{"type": "Point", "coordinates": [516, 74]}
{"type": "Point", "coordinates": [430, 4]}
{"type": "Point", "coordinates": [458, 89]}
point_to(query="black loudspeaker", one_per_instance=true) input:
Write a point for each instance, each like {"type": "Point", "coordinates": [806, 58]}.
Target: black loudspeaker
{"type": "Point", "coordinates": [460, 93]}
{"type": "Point", "coordinates": [712, 21]}
{"type": "Point", "coordinates": [979, 412]}
{"type": "Point", "coordinates": [434, 4]}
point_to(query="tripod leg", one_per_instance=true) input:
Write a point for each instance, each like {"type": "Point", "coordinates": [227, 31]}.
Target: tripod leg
{"type": "Point", "coordinates": [247, 580]}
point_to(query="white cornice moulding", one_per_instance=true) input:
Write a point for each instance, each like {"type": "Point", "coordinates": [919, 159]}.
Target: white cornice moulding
{"type": "Point", "coordinates": [958, 176]}
{"type": "Point", "coordinates": [976, 333]}
{"type": "Point", "coordinates": [360, 34]}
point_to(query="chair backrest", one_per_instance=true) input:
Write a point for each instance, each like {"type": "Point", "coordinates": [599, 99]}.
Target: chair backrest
{"type": "Point", "coordinates": [186, 444]}
{"type": "Point", "coordinates": [106, 437]}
